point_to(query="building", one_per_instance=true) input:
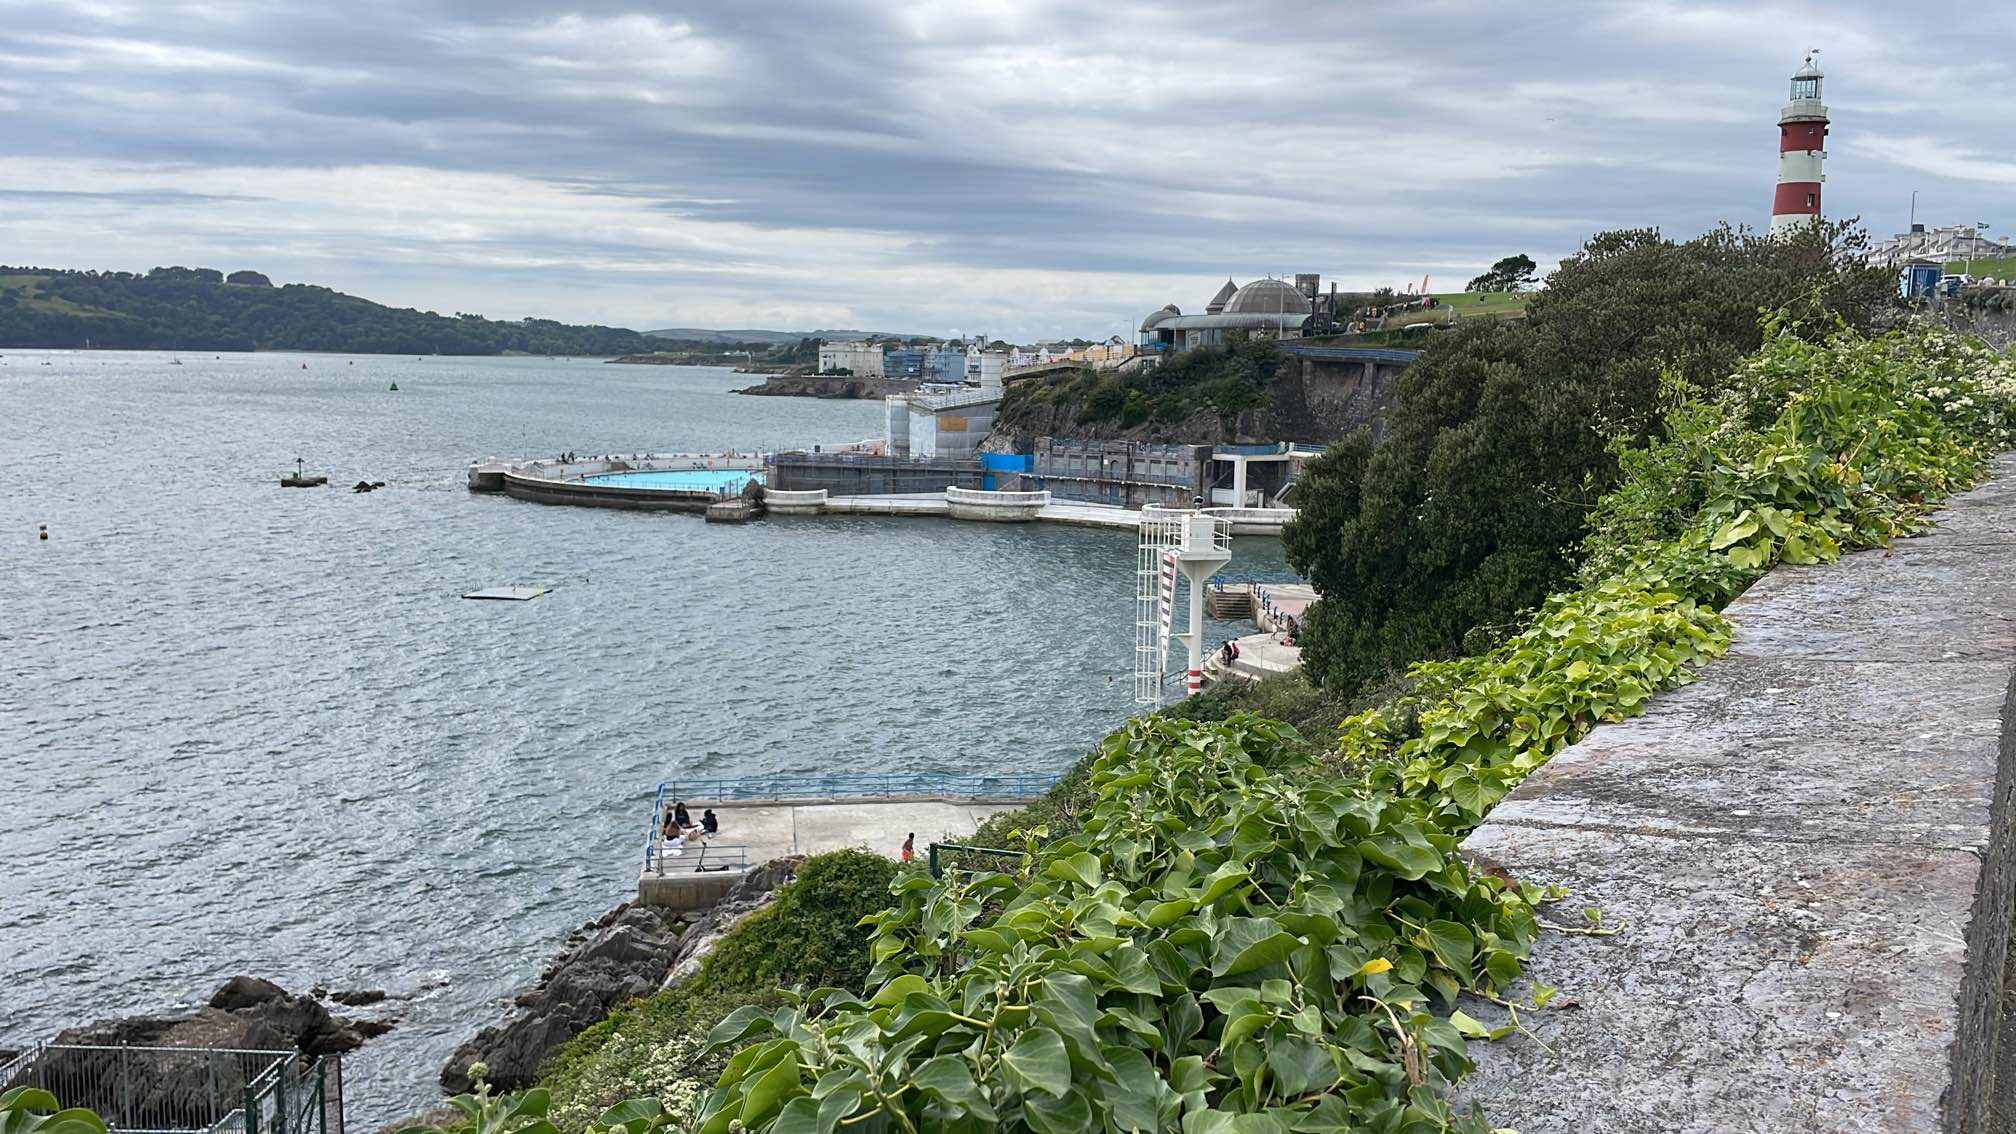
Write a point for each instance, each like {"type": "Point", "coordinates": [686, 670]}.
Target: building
{"type": "Point", "coordinates": [1265, 308]}
{"type": "Point", "coordinates": [942, 427]}
{"type": "Point", "coordinates": [1802, 144]}
{"type": "Point", "coordinates": [945, 364]}
{"type": "Point", "coordinates": [1946, 244]}
{"type": "Point", "coordinates": [862, 360]}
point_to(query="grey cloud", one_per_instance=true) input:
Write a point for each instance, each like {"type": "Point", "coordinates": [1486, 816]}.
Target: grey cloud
{"type": "Point", "coordinates": [1176, 141]}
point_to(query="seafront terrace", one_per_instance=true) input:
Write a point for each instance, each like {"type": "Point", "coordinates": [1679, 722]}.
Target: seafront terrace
{"type": "Point", "coordinates": [768, 817]}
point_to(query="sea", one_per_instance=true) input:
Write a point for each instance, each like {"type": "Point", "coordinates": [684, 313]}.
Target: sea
{"type": "Point", "coordinates": [253, 729]}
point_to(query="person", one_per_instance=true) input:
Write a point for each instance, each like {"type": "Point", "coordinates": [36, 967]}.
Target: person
{"type": "Point", "coordinates": [1225, 654]}
{"type": "Point", "coordinates": [680, 816]}
{"type": "Point", "coordinates": [1232, 645]}
{"type": "Point", "coordinates": [909, 847]}
{"type": "Point", "coordinates": [709, 823]}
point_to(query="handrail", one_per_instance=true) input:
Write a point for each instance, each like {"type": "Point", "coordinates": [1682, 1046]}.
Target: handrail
{"type": "Point", "coordinates": [655, 863]}
{"type": "Point", "coordinates": [855, 785]}
{"type": "Point", "coordinates": [937, 871]}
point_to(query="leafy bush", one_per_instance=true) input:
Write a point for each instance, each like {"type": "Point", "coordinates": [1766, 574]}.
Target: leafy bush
{"type": "Point", "coordinates": [810, 933]}
{"type": "Point", "coordinates": [1220, 939]}
{"type": "Point", "coordinates": [1500, 439]}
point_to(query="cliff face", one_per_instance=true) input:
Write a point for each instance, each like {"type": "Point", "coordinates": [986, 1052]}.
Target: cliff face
{"type": "Point", "coordinates": [807, 386]}
{"type": "Point", "coordinates": [1307, 400]}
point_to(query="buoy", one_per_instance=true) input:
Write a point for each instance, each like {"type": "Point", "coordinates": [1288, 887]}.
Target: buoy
{"type": "Point", "coordinates": [395, 386]}
{"type": "Point", "coordinates": [304, 366]}
{"type": "Point", "coordinates": [43, 531]}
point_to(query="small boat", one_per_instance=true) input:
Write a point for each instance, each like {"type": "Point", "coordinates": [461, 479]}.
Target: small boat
{"type": "Point", "coordinates": [174, 359]}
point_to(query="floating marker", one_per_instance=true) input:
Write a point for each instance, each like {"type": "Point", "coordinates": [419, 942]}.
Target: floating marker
{"type": "Point", "coordinates": [508, 594]}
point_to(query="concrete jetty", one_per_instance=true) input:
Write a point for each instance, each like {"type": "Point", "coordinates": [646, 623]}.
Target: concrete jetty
{"type": "Point", "coordinates": [771, 817]}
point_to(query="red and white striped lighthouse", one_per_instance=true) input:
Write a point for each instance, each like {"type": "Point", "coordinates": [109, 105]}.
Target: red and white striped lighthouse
{"type": "Point", "coordinates": [1802, 143]}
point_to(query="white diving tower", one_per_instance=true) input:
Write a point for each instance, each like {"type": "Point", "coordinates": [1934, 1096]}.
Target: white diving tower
{"type": "Point", "coordinates": [1196, 545]}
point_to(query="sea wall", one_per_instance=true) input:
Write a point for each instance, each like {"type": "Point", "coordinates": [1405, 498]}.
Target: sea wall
{"type": "Point", "coordinates": [1802, 865]}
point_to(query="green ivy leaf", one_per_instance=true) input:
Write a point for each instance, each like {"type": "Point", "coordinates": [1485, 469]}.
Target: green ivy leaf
{"type": "Point", "coordinates": [1037, 1062]}
{"type": "Point", "coordinates": [1244, 944]}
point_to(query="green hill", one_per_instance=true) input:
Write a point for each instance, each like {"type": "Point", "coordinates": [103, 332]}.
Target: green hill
{"type": "Point", "coordinates": [202, 309]}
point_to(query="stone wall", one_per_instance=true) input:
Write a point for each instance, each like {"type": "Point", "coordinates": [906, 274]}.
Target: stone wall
{"type": "Point", "coordinates": [1806, 857]}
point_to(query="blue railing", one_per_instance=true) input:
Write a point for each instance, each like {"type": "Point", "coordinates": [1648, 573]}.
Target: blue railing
{"type": "Point", "coordinates": [1239, 578]}
{"type": "Point", "coordinates": [853, 785]}
{"type": "Point", "coordinates": [701, 857]}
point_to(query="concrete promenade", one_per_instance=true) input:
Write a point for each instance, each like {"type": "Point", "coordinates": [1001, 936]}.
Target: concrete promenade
{"type": "Point", "coordinates": [933, 504]}
{"type": "Point", "coordinates": [1807, 859]}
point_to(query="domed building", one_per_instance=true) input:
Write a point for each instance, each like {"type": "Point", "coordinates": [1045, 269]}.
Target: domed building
{"type": "Point", "coordinates": [1265, 308]}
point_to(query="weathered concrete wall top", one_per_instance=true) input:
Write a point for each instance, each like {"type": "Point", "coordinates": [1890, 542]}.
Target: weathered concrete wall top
{"type": "Point", "coordinates": [1807, 859]}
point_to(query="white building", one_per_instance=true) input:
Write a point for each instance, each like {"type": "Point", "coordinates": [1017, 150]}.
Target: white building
{"type": "Point", "coordinates": [1945, 244]}
{"type": "Point", "coordinates": [862, 360]}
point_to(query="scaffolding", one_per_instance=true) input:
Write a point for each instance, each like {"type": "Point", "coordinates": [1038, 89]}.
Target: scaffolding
{"type": "Point", "coordinates": [1172, 543]}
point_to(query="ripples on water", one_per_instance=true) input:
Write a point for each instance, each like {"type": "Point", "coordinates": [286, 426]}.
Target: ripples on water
{"type": "Point", "coordinates": [253, 729]}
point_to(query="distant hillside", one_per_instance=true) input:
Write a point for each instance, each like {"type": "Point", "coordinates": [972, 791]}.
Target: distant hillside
{"type": "Point", "coordinates": [202, 309]}
{"type": "Point", "coordinates": [768, 338]}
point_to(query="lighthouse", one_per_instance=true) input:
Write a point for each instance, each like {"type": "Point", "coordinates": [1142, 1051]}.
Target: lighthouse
{"type": "Point", "coordinates": [1802, 143]}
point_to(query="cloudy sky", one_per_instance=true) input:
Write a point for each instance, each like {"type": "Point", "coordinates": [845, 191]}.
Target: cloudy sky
{"type": "Point", "coordinates": [1025, 168]}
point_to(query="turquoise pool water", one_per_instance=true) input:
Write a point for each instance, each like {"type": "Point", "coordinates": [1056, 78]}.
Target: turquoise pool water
{"type": "Point", "coordinates": [688, 480]}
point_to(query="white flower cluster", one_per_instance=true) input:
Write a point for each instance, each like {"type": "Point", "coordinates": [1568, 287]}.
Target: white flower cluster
{"type": "Point", "coordinates": [632, 1065]}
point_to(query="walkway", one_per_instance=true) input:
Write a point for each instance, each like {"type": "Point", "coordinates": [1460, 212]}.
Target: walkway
{"type": "Point", "coordinates": [933, 504]}
{"type": "Point", "coordinates": [1806, 855]}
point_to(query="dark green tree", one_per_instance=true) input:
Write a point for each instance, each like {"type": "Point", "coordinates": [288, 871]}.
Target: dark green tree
{"type": "Point", "coordinates": [1465, 514]}
{"type": "Point", "coordinates": [1509, 274]}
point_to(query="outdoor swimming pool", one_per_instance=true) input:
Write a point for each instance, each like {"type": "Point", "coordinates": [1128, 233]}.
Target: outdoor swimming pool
{"type": "Point", "coordinates": [683, 480]}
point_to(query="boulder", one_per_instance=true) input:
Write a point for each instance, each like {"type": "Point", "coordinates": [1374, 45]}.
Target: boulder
{"type": "Point", "coordinates": [245, 1014]}
{"type": "Point", "coordinates": [246, 992]}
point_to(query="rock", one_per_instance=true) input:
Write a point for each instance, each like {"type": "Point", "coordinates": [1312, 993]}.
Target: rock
{"type": "Point", "coordinates": [246, 992]}
{"type": "Point", "coordinates": [246, 1013]}
{"type": "Point", "coordinates": [621, 956]}
{"type": "Point", "coordinates": [628, 952]}
{"type": "Point", "coordinates": [359, 997]}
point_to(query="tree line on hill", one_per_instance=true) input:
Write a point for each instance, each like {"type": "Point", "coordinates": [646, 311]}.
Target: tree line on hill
{"type": "Point", "coordinates": [203, 309]}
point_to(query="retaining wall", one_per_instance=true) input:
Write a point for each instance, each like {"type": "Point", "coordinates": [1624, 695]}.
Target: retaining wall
{"type": "Point", "coordinates": [1806, 855]}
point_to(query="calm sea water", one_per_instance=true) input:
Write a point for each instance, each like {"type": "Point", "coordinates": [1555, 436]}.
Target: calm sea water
{"type": "Point", "coordinates": [253, 729]}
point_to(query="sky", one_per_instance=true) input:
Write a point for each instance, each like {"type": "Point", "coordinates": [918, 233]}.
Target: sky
{"type": "Point", "coordinates": [1025, 169]}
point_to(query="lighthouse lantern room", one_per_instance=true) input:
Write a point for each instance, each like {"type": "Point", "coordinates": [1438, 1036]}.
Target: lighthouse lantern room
{"type": "Point", "coordinates": [1802, 144]}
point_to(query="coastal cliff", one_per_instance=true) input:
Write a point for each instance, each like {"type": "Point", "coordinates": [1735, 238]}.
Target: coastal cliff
{"type": "Point", "coordinates": [813, 386]}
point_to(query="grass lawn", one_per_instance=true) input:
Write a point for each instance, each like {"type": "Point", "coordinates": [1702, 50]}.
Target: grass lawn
{"type": "Point", "coordinates": [2001, 269]}
{"type": "Point", "coordinates": [1468, 305]}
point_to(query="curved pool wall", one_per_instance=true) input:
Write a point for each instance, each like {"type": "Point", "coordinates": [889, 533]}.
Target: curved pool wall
{"type": "Point", "coordinates": [672, 482]}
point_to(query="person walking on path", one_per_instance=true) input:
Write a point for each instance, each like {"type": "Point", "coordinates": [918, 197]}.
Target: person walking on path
{"type": "Point", "coordinates": [909, 850]}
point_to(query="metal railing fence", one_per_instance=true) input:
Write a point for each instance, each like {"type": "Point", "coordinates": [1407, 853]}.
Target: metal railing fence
{"type": "Point", "coordinates": [187, 1090]}
{"type": "Point", "coordinates": [856, 785]}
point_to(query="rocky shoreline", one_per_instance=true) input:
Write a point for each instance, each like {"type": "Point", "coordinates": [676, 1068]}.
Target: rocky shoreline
{"type": "Point", "coordinates": [630, 951]}
{"type": "Point", "coordinates": [811, 386]}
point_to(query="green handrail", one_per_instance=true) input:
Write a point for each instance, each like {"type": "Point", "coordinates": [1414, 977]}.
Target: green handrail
{"type": "Point", "coordinates": [938, 871]}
